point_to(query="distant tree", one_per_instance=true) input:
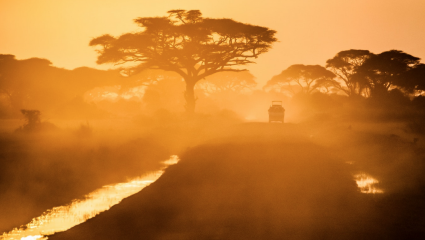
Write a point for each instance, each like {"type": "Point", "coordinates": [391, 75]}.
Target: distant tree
{"type": "Point", "coordinates": [188, 44]}
{"type": "Point", "coordinates": [308, 78]}
{"type": "Point", "coordinates": [416, 75]}
{"type": "Point", "coordinates": [32, 118]}
{"type": "Point", "coordinates": [388, 70]}
{"type": "Point", "coordinates": [19, 78]}
{"type": "Point", "coordinates": [6, 86]}
{"type": "Point", "coordinates": [344, 65]}
{"type": "Point", "coordinates": [235, 82]}
{"type": "Point", "coordinates": [34, 83]}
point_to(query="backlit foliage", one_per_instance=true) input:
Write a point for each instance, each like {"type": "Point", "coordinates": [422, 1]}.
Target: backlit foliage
{"type": "Point", "coordinates": [186, 43]}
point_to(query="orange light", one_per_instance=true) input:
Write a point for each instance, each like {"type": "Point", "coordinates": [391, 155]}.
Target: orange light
{"type": "Point", "coordinates": [367, 183]}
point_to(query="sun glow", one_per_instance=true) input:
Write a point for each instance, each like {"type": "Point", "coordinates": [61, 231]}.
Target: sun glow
{"type": "Point", "coordinates": [62, 218]}
{"type": "Point", "coordinates": [33, 237]}
{"type": "Point", "coordinates": [367, 183]}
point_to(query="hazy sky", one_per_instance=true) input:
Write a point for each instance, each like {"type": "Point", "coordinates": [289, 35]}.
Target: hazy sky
{"type": "Point", "coordinates": [309, 31]}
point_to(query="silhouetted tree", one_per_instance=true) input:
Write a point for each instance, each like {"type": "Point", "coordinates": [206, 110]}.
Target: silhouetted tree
{"type": "Point", "coordinates": [32, 118]}
{"type": "Point", "coordinates": [416, 75]}
{"type": "Point", "coordinates": [390, 69]}
{"type": "Point", "coordinates": [21, 80]}
{"type": "Point", "coordinates": [344, 65]}
{"type": "Point", "coordinates": [36, 84]}
{"type": "Point", "coordinates": [6, 63]}
{"type": "Point", "coordinates": [186, 43]}
{"type": "Point", "coordinates": [308, 78]}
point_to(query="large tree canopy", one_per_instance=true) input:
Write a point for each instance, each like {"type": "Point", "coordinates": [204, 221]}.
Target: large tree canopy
{"type": "Point", "coordinates": [344, 65]}
{"type": "Point", "coordinates": [390, 69]}
{"type": "Point", "coordinates": [308, 78]}
{"type": "Point", "coordinates": [186, 43]}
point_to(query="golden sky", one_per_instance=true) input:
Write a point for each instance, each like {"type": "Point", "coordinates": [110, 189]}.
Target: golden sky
{"type": "Point", "coordinates": [309, 31]}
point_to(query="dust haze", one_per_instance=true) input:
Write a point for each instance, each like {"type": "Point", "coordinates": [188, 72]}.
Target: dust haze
{"type": "Point", "coordinates": [65, 133]}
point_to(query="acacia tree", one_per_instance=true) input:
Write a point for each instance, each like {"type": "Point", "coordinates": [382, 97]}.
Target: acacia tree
{"type": "Point", "coordinates": [388, 70]}
{"type": "Point", "coordinates": [344, 65]}
{"type": "Point", "coordinates": [186, 43]}
{"type": "Point", "coordinates": [308, 78]}
{"type": "Point", "coordinates": [417, 76]}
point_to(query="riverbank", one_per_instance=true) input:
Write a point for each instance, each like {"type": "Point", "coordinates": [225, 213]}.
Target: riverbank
{"type": "Point", "coordinates": [274, 181]}
{"type": "Point", "coordinates": [65, 165]}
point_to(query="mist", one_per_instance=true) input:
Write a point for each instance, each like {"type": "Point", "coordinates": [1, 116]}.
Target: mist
{"type": "Point", "coordinates": [345, 160]}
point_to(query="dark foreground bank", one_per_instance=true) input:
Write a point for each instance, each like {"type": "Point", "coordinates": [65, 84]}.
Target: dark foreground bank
{"type": "Point", "coordinates": [246, 190]}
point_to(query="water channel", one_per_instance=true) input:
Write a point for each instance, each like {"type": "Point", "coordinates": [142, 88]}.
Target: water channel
{"type": "Point", "coordinates": [62, 218]}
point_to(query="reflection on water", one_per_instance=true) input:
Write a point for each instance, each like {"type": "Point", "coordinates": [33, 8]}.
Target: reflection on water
{"type": "Point", "coordinates": [367, 183]}
{"type": "Point", "coordinates": [33, 237]}
{"type": "Point", "coordinates": [62, 218]}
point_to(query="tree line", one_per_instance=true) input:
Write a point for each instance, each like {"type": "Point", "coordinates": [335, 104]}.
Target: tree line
{"type": "Point", "coordinates": [36, 83]}
{"type": "Point", "coordinates": [355, 73]}
{"type": "Point", "coordinates": [205, 54]}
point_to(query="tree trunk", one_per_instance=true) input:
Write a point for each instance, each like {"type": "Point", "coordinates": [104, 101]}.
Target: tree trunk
{"type": "Point", "coordinates": [189, 95]}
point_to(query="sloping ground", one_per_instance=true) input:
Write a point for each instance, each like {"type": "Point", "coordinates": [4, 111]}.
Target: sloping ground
{"type": "Point", "coordinates": [253, 189]}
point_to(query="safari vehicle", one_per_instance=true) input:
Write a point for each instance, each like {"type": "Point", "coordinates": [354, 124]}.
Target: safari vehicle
{"type": "Point", "coordinates": [276, 112]}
